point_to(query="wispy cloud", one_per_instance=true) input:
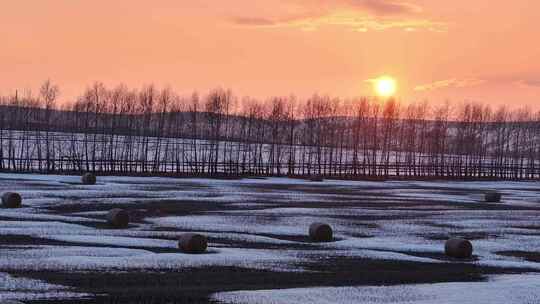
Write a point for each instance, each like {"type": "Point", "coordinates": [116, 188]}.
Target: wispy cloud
{"type": "Point", "coordinates": [381, 7]}
{"type": "Point", "coordinates": [450, 83]}
{"type": "Point", "coordinates": [357, 15]}
{"type": "Point", "coordinates": [384, 7]}
{"type": "Point", "coordinates": [528, 82]}
{"type": "Point", "coordinates": [254, 21]}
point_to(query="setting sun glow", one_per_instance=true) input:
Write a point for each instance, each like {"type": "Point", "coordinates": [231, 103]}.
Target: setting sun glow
{"type": "Point", "coordinates": [385, 86]}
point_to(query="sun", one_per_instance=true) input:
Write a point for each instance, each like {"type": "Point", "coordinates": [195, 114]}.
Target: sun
{"type": "Point", "coordinates": [385, 86]}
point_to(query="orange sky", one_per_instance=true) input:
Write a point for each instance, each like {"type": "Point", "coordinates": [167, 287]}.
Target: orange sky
{"type": "Point", "coordinates": [481, 50]}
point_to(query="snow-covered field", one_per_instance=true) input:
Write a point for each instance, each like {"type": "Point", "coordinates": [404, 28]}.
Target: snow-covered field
{"type": "Point", "coordinates": [502, 289]}
{"type": "Point", "coordinates": [259, 226]}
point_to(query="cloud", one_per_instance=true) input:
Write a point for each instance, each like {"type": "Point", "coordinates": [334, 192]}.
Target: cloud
{"type": "Point", "coordinates": [528, 82]}
{"type": "Point", "coordinates": [385, 7]}
{"type": "Point", "coordinates": [357, 15]}
{"type": "Point", "coordinates": [253, 21]}
{"type": "Point", "coordinates": [450, 83]}
{"type": "Point", "coordinates": [381, 7]}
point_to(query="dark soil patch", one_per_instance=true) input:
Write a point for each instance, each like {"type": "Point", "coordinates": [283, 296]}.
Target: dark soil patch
{"type": "Point", "coordinates": [464, 235]}
{"type": "Point", "coordinates": [25, 240]}
{"type": "Point", "coordinates": [165, 207]}
{"type": "Point", "coordinates": [294, 238]}
{"type": "Point", "coordinates": [438, 256]}
{"type": "Point", "coordinates": [10, 241]}
{"type": "Point", "coordinates": [262, 245]}
{"type": "Point", "coordinates": [531, 227]}
{"type": "Point", "coordinates": [180, 185]}
{"type": "Point", "coordinates": [197, 285]}
{"type": "Point", "coordinates": [446, 226]}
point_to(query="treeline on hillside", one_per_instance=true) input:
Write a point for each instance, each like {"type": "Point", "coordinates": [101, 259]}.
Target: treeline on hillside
{"type": "Point", "coordinates": [156, 131]}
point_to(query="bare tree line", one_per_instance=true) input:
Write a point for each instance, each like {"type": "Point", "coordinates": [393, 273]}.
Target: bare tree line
{"type": "Point", "coordinates": [156, 131]}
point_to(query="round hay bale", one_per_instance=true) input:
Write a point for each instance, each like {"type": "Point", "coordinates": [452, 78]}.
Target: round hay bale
{"type": "Point", "coordinates": [493, 197]}
{"type": "Point", "coordinates": [88, 179]}
{"type": "Point", "coordinates": [458, 248]}
{"type": "Point", "coordinates": [118, 218]}
{"type": "Point", "coordinates": [193, 243]}
{"type": "Point", "coordinates": [320, 232]}
{"type": "Point", "coordinates": [11, 200]}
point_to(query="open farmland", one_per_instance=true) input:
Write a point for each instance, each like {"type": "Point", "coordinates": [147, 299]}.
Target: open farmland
{"type": "Point", "coordinates": [388, 248]}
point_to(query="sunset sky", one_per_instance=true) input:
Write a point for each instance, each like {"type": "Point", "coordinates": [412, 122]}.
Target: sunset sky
{"type": "Point", "coordinates": [482, 50]}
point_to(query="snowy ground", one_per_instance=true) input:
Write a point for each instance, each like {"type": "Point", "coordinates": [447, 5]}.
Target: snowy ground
{"type": "Point", "coordinates": [58, 246]}
{"type": "Point", "coordinates": [503, 289]}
